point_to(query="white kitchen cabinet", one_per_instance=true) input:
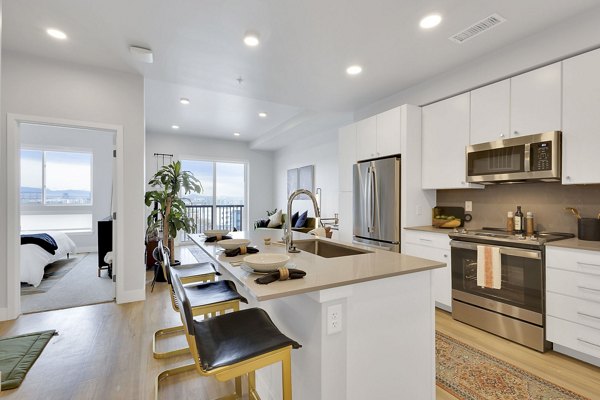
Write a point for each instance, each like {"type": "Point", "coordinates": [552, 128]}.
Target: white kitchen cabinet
{"type": "Point", "coordinates": [573, 302]}
{"type": "Point", "coordinates": [490, 112]}
{"type": "Point", "coordinates": [346, 217]}
{"type": "Point", "coordinates": [366, 138]}
{"type": "Point", "coordinates": [379, 135]}
{"type": "Point", "coordinates": [535, 101]}
{"type": "Point", "coordinates": [433, 246]}
{"type": "Point", "coordinates": [445, 134]}
{"type": "Point", "coordinates": [346, 156]}
{"type": "Point", "coordinates": [581, 119]}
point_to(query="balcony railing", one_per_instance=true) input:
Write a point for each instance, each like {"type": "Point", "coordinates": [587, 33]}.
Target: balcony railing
{"type": "Point", "coordinates": [227, 217]}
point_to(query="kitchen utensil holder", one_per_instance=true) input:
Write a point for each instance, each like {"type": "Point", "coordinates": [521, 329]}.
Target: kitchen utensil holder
{"type": "Point", "coordinates": [588, 229]}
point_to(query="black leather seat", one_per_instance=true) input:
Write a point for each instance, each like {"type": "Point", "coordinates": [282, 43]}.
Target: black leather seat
{"type": "Point", "coordinates": [208, 293]}
{"type": "Point", "coordinates": [236, 337]}
{"type": "Point", "coordinates": [193, 271]}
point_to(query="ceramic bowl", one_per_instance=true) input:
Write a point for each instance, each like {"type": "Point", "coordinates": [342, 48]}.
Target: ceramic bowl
{"type": "Point", "coordinates": [230, 244]}
{"type": "Point", "coordinates": [266, 261]}
{"type": "Point", "coordinates": [215, 232]}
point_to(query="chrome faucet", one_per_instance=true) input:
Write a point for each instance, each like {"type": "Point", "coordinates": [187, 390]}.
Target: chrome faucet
{"type": "Point", "coordinates": [288, 234]}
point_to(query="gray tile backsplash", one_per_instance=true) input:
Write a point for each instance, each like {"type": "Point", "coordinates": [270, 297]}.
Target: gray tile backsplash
{"type": "Point", "coordinates": [547, 201]}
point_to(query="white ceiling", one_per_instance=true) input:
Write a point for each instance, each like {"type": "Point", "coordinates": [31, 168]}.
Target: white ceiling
{"type": "Point", "coordinates": [296, 75]}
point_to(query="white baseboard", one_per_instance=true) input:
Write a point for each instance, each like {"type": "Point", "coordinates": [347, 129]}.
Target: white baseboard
{"type": "Point", "coordinates": [5, 315]}
{"type": "Point", "coordinates": [129, 296]}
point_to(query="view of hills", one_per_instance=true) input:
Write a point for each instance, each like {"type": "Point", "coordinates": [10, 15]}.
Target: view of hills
{"type": "Point", "coordinates": [34, 195]}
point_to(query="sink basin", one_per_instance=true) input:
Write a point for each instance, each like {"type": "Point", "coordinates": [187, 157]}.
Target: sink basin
{"type": "Point", "coordinates": [327, 249]}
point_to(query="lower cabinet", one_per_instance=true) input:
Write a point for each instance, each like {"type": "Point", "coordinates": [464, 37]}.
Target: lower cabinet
{"type": "Point", "coordinates": [433, 246]}
{"type": "Point", "coordinates": [573, 301]}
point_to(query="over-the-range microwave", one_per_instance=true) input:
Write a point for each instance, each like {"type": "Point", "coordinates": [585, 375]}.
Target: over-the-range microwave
{"type": "Point", "coordinates": [519, 159]}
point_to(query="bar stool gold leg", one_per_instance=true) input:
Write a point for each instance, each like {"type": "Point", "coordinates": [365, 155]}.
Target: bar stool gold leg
{"type": "Point", "coordinates": [172, 353]}
{"type": "Point", "coordinates": [238, 387]}
{"type": "Point", "coordinates": [286, 376]}
{"type": "Point", "coordinates": [252, 393]}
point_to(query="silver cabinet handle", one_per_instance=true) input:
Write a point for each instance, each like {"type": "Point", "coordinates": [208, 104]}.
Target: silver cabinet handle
{"type": "Point", "coordinates": [516, 132]}
{"type": "Point", "coordinates": [588, 342]}
{"type": "Point", "coordinates": [425, 240]}
{"type": "Point", "coordinates": [502, 135]}
{"type": "Point", "coordinates": [445, 255]}
{"type": "Point", "coordinates": [588, 288]}
{"type": "Point", "coordinates": [587, 315]}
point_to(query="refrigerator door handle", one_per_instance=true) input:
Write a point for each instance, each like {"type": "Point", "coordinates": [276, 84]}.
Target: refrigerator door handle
{"type": "Point", "coordinates": [375, 201]}
{"type": "Point", "coordinates": [368, 199]}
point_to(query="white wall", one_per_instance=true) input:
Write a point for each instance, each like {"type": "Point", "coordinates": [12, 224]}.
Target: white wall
{"type": "Point", "coordinates": [100, 144]}
{"type": "Point", "coordinates": [47, 88]}
{"type": "Point", "coordinates": [3, 276]}
{"type": "Point", "coordinates": [320, 150]}
{"type": "Point", "coordinates": [260, 164]}
{"type": "Point", "coordinates": [564, 39]}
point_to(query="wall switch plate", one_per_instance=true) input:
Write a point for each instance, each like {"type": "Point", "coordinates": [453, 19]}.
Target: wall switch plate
{"type": "Point", "coordinates": [334, 319]}
{"type": "Point", "coordinates": [468, 206]}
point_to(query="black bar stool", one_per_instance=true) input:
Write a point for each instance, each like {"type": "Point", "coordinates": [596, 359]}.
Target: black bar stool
{"type": "Point", "coordinates": [232, 345]}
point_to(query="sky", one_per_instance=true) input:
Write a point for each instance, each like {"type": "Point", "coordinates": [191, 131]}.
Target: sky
{"type": "Point", "coordinates": [230, 177]}
{"type": "Point", "coordinates": [64, 170]}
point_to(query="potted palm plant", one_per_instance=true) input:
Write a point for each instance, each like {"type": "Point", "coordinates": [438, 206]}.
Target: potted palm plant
{"type": "Point", "coordinates": [169, 214]}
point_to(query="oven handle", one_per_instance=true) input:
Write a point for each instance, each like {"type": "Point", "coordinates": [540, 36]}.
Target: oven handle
{"type": "Point", "coordinates": [509, 251]}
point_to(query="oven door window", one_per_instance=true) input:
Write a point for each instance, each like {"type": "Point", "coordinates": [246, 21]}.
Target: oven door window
{"type": "Point", "coordinates": [521, 283]}
{"type": "Point", "coordinates": [504, 160]}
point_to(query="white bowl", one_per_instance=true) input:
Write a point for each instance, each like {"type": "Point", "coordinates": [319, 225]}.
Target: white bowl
{"type": "Point", "coordinates": [215, 232]}
{"type": "Point", "coordinates": [230, 244]}
{"type": "Point", "coordinates": [266, 261]}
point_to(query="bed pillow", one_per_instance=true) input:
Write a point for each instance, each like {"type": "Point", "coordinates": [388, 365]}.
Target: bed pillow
{"type": "Point", "coordinates": [301, 220]}
{"type": "Point", "coordinates": [43, 240]}
{"type": "Point", "coordinates": [275, 220]}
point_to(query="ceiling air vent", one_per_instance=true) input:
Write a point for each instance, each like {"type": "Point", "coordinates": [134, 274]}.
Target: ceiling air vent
{"type": "Point", "coordinates": [477, 28]}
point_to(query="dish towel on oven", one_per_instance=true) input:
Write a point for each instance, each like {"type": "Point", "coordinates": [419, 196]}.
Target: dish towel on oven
{"type": "Point", "coordinates": [489, 272]}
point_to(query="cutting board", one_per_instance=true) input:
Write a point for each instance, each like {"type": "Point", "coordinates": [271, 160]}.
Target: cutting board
{"type": "Point", "coordinates": [456, 212]}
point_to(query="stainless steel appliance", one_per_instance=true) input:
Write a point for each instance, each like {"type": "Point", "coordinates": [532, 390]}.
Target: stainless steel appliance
{"type": "Point", "coordinates": [526, 158]}
{"type": "Point", "coordinates": [516, 310]}
{"type": "Point", "coordinates": [376, 203]}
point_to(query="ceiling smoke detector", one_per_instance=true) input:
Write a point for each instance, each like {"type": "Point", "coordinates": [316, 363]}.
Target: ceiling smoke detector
{"type": "Point", "coordinates": [142, 54]}
{"type": "Point", "coordinates": [477, 28]}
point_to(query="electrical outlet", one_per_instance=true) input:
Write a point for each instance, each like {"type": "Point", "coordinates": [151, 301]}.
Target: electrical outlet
{"type": "Point", "coordinates": [334, 319]}
{"type": "Point", "coordinates": [468, 206]}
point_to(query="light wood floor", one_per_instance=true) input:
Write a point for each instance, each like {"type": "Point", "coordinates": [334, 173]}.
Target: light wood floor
{"type": "Point", "coordinates": [104, 352]}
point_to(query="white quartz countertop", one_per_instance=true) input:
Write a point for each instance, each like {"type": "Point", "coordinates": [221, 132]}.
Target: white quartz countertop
{"type": "Point", "coordinates": [429, 228]}
{"type": "Point", "coordinates": [321, 273]}
{"type": "Point", "coordinates": [575, 243]}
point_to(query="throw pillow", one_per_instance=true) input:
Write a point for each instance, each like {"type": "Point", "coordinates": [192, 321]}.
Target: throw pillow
{"type": "Point", "coordinates": [294, 218]}
{"type": "Point", "coordinates": [301, 220]}
{"type": "Point", "coordinates": [275, 220]}
{"type": "Point", "coordinates": [262, 223]}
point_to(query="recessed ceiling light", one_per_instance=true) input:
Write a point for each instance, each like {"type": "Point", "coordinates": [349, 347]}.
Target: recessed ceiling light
{"type": "Point", "coordinates": [236, 134]}
{"type": "Point", "coordinates": [354, 70]}
{"type": "Point", "coordinates": [174, 126]}
{"type": "Point", "coordinates": [56, 34]}
{"type": "Point", "coordinates": [185, 101]}
{"type": "Point", "coordinates": [251, 39]}
{"type": "Point", "coordinates": [430, 21]}
{"type": "Point", "coordinates": [262, 114]}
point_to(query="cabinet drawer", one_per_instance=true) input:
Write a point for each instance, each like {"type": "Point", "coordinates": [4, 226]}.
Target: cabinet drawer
{"type": "Point", "coordinates": [431, 239]}
{"type": "Point", "coordinates": [573, 336]}
{"type": "Point", "coordinates": [583, 312]}
{"type": "Point", "coordinates": [573, 260]}
{"type": "Point", "coordinates": [575, 284]}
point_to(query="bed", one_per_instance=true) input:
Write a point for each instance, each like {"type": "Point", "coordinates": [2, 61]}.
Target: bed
{"type": "Point", "coordinates": [34, 258]}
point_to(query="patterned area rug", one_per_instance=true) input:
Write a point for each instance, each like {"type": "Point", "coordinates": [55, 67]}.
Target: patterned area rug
{"type": "Point", "coordinates": [52, 274]}
{"type": "Point", "coordinates": [470, 374]}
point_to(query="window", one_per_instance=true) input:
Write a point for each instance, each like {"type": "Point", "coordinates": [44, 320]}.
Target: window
{"type": "Point", "coordinates": [221, 204]}
{"type": "Point", "coordinates": [56, 178]}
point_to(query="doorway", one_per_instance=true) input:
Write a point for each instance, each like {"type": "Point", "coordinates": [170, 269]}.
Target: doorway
{"type": "Point", "coordinates": [65, 186]}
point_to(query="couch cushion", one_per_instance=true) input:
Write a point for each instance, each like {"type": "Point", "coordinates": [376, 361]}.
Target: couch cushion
{"type": "Point", "coordinates": [275, 220]}
{"type": "Point", "coordinates": [295, 218]}
{"type": "Point", "coordinates": [301, 220]}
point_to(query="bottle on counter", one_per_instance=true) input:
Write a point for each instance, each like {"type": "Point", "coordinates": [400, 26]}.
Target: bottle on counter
{"type": "Point", "coordinates": [518, 221]}
{"type": "Point", "coordinates": [529, 223]}
{"type": "Point", "coordinates": [510, 223]}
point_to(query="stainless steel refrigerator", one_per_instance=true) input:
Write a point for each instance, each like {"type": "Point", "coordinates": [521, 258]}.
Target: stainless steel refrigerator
{"type": "Point", "coordinates": [376, 203]}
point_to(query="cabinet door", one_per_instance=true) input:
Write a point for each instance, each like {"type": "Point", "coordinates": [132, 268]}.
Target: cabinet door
{"type": "Point", "coordinates": [346, 219]}
{"type": "Point", "coordinates": [366, 138]}
{"type": "Point", "coordinates": [441, 277]}
{"type": "Point", "coordinates": [581, 119]}
{"type": "Point", "coordinates": [388, 133]}
{"type": "Point", "coordinates": [490, 108]}
{"type": "Point", "coordinates": [535, 101]}
{"type": "Point", "coordinates": [346, 156]}
{"type": "Point", "coordinates": [445, 133]}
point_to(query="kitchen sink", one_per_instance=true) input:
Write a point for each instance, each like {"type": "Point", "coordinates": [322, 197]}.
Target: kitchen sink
{"type": "Point", "coordinates": [327, 249]}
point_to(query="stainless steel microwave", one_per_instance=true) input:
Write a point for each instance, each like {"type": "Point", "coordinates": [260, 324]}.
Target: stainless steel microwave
{"type": "Point", "coordinates": [525, 158]}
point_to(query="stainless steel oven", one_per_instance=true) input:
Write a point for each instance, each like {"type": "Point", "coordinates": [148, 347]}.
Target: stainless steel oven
{"type": "Point", "coordinates": [516, 310]}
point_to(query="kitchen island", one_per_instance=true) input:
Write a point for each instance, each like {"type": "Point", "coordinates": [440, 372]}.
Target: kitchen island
{"type": "Point", "coordinates": [386, 345]}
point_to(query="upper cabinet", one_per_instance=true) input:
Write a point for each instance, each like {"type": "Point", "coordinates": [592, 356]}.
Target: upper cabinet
{"type": "Point", "coordinates": [445, 133]}
{"type": "Point", "coordinates": [346, 156]}
{"type": "Point", "coordinates": [379, 135]}
{"type": "Point", "coordinates": [490, 112]}
{"type": "Point", "coordinates": [581, 119]}
{"type": "Point", "coordinates": [535, 101]}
